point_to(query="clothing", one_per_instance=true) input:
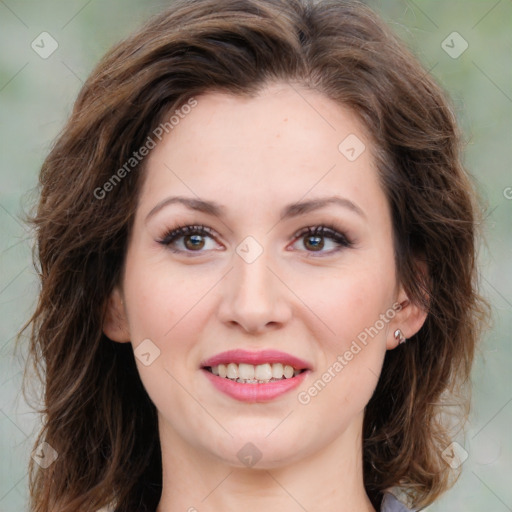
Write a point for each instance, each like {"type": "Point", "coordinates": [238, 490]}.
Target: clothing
{"type": "Point", "coordinates": [391, 504]}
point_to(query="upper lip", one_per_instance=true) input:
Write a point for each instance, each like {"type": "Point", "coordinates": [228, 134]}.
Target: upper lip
{"type": "Point", "coordinates": [256, 358]}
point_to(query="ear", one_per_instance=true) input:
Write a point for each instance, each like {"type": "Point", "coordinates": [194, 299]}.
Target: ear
{"type": "Point", "coordinates": [115, 324]}
{"type": "Point", "coordinates": [410, 316]}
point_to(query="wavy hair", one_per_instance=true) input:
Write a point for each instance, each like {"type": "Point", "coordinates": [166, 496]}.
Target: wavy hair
{"type": "Point", "coordinates": [96, 412]}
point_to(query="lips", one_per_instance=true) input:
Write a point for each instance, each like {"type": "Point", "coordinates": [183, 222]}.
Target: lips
{"type": "Point", "coordinates": [252, 390]}
{"type": "Point", "coordinates": [256, 358]}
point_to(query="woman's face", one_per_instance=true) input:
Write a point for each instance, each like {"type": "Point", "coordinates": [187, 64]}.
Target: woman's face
{"type": "Point", "coordinates": [250, 177]}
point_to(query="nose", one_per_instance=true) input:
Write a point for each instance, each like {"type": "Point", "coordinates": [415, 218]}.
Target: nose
{"type": "Point", "coordinates": [254, 298]}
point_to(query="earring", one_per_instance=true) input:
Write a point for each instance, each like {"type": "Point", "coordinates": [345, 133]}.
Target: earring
{"type": "Point", "coordinates": [399, 337]}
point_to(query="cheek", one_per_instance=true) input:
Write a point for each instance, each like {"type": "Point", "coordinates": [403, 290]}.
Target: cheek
{"type": "Point", "coordinates": [353, 356]}
{"type": "Point", "coordinates": [352, 306]}
{"type": "Point", "coordinates": [171, 309]}
{"type": "Point", "coordinates": [162, 300]}
{"type": "Point", "coordinates": [352, 302]}
{"type": "Point", "coordinates": [166, 307]}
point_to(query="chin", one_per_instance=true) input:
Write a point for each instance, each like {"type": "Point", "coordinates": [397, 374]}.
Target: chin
{"type": "Point", "coordinates": [258, 451]}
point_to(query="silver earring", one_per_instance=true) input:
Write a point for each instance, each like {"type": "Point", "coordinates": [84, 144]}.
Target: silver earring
{"type": "Point", "coordinates": [399, 337]}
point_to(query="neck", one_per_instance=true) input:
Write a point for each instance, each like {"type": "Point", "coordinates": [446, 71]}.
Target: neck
{"type": "Point", "coordinates": [330, 479]}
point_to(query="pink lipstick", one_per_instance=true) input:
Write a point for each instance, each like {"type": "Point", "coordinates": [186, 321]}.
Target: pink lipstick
{"type": "Point", "coordinates": [255, 376]}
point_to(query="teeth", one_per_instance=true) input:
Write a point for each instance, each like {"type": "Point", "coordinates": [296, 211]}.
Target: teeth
{"type": "Point", "coordinates": [232, 371]}
{"type": "Point", "coordinates": [245, 371]}
{"type": "Point", "coordinates": [288, 371]}
{"type": "Point", "coordinates": [249, 373]}
{"type": "Point", "coordinates": [277, 371]}
{"type": "Point", "coordinates": [263, 372]}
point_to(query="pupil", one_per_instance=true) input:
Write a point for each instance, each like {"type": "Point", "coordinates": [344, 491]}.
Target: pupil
{"type": "Point", "coordinates": [194, 242]}
{"type": "Point", "coordinates": [317, 242]}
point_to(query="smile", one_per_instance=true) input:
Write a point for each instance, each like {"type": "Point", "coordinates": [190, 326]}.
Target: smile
{"type": "Point", "coordinates": [255, 376]}
{"type": "Point", "coordinates": [250, 374]}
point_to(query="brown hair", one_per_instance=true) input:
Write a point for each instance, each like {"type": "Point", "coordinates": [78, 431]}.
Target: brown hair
{"type": "Point", "coordinates": [97, 414]}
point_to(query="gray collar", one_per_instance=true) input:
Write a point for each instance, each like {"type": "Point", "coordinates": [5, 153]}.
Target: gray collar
{"type": "Point", "coordinates": [391, 504]}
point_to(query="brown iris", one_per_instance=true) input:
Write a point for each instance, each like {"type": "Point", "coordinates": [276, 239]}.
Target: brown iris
{"type": "Point", "coordinates": [194, 242]}
{"type": "Point", "coordinates": [317, 242]}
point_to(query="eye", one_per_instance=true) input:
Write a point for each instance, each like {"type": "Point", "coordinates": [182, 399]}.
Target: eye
{"type": "Point", "coordinates": [187, 239]}
{"type": "Point", "coordinates": [317, 238]}
{"type": "Point", "coordinates": [197, 239]}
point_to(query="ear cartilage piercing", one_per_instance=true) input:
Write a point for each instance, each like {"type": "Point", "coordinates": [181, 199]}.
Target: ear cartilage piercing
{"type": "Point", "coordinates": [399, 336]}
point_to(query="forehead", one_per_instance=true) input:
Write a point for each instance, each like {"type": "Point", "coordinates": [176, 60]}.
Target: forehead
{"type": "Point", "coordinates": [284, 143]}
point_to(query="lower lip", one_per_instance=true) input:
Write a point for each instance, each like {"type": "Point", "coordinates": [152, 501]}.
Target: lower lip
{"type": "Point", "coordinates": [255, 392]}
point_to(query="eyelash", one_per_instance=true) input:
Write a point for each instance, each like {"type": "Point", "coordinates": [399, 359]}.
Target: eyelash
{"type": "Point", "coordinates": [325, 230]}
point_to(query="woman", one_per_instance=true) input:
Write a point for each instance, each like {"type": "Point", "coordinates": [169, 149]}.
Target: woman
{"type": "Point", "coordinates": [257, 251]}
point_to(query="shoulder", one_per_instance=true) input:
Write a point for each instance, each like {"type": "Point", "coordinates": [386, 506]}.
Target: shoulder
{"type": "Point", "coordinates": [391, 504]}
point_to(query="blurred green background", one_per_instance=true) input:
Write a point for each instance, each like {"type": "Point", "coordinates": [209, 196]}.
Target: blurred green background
{"type": "Point", "coordinates": [37, 94]}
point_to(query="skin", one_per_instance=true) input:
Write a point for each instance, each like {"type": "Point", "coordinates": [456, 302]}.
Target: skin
{"type": "Point", "coordinates": [253, 157]}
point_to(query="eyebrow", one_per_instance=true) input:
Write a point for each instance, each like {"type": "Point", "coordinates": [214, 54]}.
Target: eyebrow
{"type": "Point", "coordinates": [289, 211]}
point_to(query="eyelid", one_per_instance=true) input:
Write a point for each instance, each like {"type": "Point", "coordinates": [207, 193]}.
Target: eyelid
{"type": "Point", "coordinates": [321, 227]}
{"type": "Point", "coordinates": [182, 229]}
